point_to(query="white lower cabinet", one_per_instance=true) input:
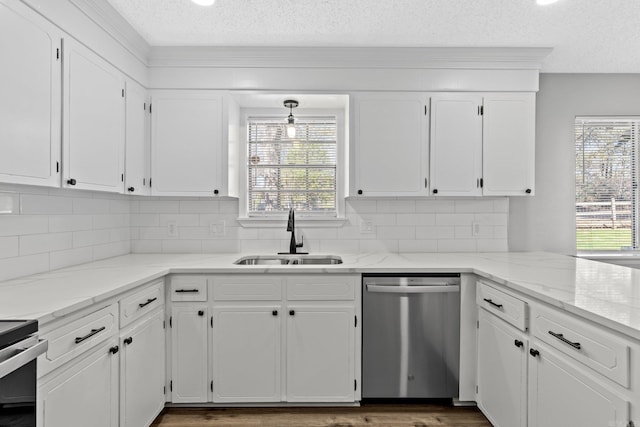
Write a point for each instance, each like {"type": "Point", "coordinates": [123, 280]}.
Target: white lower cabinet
{"type": "Point", "coordinates": [502, 371]}
{"type": "Point", "coordinates": [83, 394]}
{"type": "Point", "coordinates": [563, 396]}
{"type": "Point", "coordinates": [320, 352]}
{"type": "Point", "coordinates": [189, 379]}
{"type": "Point", "coordinates": [142, 369]}
{"type": "Point", "coordinates": [246, 353]}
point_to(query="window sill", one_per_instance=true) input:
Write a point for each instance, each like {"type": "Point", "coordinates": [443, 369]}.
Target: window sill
{"type": "Point", "coordinates": [609, 255]}
{"type": "Point", "coordinates": [300, 222]}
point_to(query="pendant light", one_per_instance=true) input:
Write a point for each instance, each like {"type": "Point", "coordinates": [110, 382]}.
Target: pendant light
{"type": "Point", "coordinates": [291, 128]}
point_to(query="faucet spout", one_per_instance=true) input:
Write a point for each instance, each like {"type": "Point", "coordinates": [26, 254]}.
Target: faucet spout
{"type": "Point", "coordinates": [291, 226]}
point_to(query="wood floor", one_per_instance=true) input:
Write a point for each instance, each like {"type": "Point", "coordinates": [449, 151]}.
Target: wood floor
{"type": "Point", "coordinates": [378, 415]}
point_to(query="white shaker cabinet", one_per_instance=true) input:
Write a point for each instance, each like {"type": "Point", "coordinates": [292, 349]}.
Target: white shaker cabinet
{"type": "Point", "coordinates": [94, 121]}
{"type": "Point", "coordinates": [456, 144]}
{"type": "Point", "coordinates": [84, 394]}
{"type": "Point", "coordinates": [138, 150]}
{"type": "Point", "coordinates": [508, 144]}
{"type": "Point", "coordinates": [187, 136]}
{"type": "Point", "coordinates": [502, 372]}
{"type": "Point", "coordinates": [246, 352]}
{"type": "Point", "coordinates": [142, 369]}
{"type": "Point", "coordinates": [189, 380]}
{"type": "Point", "coordinates": [391, 144]}
{"type": "Point", "coordinates": [320, 356]}
{"type": "Point", "coordinates": [30, 104]}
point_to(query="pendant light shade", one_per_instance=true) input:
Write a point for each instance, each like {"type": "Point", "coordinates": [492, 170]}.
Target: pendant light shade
{"type": "Point", "coordinates": [291, 128]}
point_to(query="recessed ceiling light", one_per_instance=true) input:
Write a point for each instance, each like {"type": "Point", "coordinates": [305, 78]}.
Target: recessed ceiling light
{"type": "Point", "coordinates": [204, 2]}
{"type": "Point", "coordinates": [541, 2]}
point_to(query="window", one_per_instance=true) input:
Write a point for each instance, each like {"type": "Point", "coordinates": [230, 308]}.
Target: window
{"type": "Point", "coordinates": [298, 173]}
{"type": "Point", "coordinates": [606, 183]}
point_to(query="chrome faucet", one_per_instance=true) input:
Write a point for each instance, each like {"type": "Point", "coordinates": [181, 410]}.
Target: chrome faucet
{"type": "Point", "coordinates": [291, 226]}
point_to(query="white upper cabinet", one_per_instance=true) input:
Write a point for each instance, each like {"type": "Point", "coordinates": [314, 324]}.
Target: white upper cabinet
{"type": "Point", "coordinates": [137, 153]}
{"type": "Point", "coordinates": [30, 102]}
{"type": "Point", "coordinates": [391, 144]}
{"type": "Point", "coordinates": [93, 108]}
{"type": "Point", "coordinates": [456, 144]}
{"type": "Point", "coordinates": [187, 139]}
{"type": "Point", "coordinates": [509, 144]}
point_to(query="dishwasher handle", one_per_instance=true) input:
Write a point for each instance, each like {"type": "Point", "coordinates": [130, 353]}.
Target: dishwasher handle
{"type": "Point", "coordinates": [14, 357]}
{"type": "Point", "coordinates": [412, 289]}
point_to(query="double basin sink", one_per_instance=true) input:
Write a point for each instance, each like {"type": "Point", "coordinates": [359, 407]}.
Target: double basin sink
{"type": "Point", "coordinates": [289, 260]}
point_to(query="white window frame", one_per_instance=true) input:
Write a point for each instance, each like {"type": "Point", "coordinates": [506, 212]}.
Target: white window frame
{"type": "Point", "coordinates": [303, 219]}
{"type": "Point", "coordinates": [636, 220]}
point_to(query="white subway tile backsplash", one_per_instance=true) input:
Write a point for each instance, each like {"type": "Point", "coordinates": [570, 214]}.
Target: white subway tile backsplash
{"type": "Point", "coordinates": [9, 246]}
{"type": "Point", "coordinates": [90, 206]}
{"type": "Point", "coordinates": [182, 246]}
{"type": "Point", "coordinates": [41, 204]}
{"type": "Point", "coordinates": [9, 204]}
{"type": "Point", "coordinates": [396, 232]}
{"type": "Point", "coordinates": [67, 258]}
{"type": "Point", "coordinates": [492, 245]}
{"type": "Point", "coordinates": [457, 245]}
{"type": "Point", "coordinates": [454, 218]}
{"type": "Point", "coordinates": [474, 205]}
{"type": "Point", "coordinates": [23, 266]}
{"type": "Point", "coordinates": [60, 223]}
{"type": "Point", "coordinates": [220, 246]}
{"type": "Point", "coordinates": [158, 206]}
{"type": "Point", "coordinates": [417, 246]}
{"type": "Point", "coordinates": [344, 246]}
{"type": "Point", "coordinates": [90, 238]}
{"type": "Point", "coordinates": [435, 206]}
{"type": "Point", "coordinates": [435, 232]}
{"type": "Point", "coordinates": [146, 246]}
{"type": "Point", "coordinates": [41, 243]}
{"type": "Point", "coordinates": [395, 205]}
{"type": "Point", "coordinates": [199, 206]}
{"type": "Point", "coordinates": [182, 220]}
{"type": "Point", "coordinates": [17, 225]}
{"type": "Point", "coordinates": [416, 219]}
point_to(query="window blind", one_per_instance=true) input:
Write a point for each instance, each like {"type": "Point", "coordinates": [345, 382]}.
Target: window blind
{"type": "Point", "coordinates": [298, 173]}
{"type": "Point", "coordinates": [606, 183]}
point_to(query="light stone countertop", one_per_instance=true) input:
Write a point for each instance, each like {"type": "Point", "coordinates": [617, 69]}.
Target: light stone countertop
{"type": "Point", "coordinates": [604, 293]}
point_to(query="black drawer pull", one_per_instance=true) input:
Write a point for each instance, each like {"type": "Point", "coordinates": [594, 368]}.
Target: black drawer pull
{"type": "Point", "coordinates": [149, 301]}
{"type": "Point", "coordinates": [128, 340]}
{"type": "Point", "coordinates": [187, 291]}
{"type": "Point", "coordinates": [274, 312]}
{"type": "Point", "coordinates": [200, 312]}
{"type": "Point", "coordinates": [292, 312]}
{"type": "Point", "coordinates": [493, 303]}
{"type": "Point", "coordinates": [90, 334]}
{"type": "Point", "coordinates": [534, 352]}
{"type": "Point", "coordinates": [561, 337]}
{"type": "Point", "coordinates": [114, 349]}
{"type": "Point", "coordinates": [518, 343]}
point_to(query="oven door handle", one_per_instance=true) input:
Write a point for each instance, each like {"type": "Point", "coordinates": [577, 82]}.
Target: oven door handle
{"type": "Point", "coordinates": [21, 356]}
{"type": "Point", "coordinates": [413, 289]}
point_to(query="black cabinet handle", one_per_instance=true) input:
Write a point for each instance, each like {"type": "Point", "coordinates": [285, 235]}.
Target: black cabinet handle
{"type": "Point", "coordinates": [274, 312]}
{"type": "Point", "coordinates": [359, 191]}
{"type": "Point", "coordinates": [493, 303]}
{"type": "Point", "coordinates": [292, 312]}
{"type": "Point", "coordinates": [435, 191]}
{"type": "Point", "coordinates": [149, 301]}
{"type": "Point", "coordinates": [128, 340]}
{"type": "Point", "coordinates": [90, 334]}
{"type": "Point", "coordinates": [561, 337]}
{"type": "Point", "coordinates": [131, 189]}
{"type": "Point", "coordinates": [71, 181]}
{"type": "Point", "coordinates": [215, 192]}
{"type": "Point", "coordinates": [528, 191]}
{"type": "Point", "coordinates": [518, 343]}
{"type": "Point", "coordinates": [114, 349]}
{"type": "Point", "coordinates": [200, 312]}
{"type": "Point", "coordinates": [185, 291]}
{"type": "Point", "coordinates": [534, 352]}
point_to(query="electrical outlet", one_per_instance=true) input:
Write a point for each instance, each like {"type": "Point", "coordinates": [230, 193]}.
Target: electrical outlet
{"type": "Point", "coordinates": [366, 226]}
{"type": "Point", "coordinates": [217, 228]}
{"type": "Point", "coordinates": [475, 228]}
{"type": "Point", "coordinates": [172, 229]}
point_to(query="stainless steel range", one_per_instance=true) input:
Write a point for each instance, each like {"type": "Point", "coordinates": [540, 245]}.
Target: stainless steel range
{"type": "Point", "coordinates": [410, 336]}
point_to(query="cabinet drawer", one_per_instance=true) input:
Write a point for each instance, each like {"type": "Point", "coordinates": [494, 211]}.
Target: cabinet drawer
{"type": "Point", "coordinates": [503, 305]}
{"type": "Point", "coordinates": [249, 288]}
{"type": "Point", "coordinates": [324, 287]}
{"type": "Point", "coordinates": [78, 336]}
{"type": "Point", "coordinates": [140, 303]}
{"type": "Point", "coordinates": [589, 344]}
{"type": "Point", "coordinates": [188, 288]}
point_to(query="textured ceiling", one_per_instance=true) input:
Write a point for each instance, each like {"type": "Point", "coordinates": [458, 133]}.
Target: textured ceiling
{"type": "Point", "coordinates": [587, 35]}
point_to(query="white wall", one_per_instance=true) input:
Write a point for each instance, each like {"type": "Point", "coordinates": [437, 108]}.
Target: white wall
{"type": "Point", "coordinates": [400, 225]}
{"type": "Point", "coordinates": [43, 229]}
{"type": "Point", "coordinates": [547, 220]}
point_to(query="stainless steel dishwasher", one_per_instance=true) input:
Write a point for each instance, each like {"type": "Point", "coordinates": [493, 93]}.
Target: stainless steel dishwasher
{"type": "Point", "coordinates": [410, 335]}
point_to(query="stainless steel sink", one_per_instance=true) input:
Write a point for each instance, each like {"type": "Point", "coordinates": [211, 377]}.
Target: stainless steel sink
{"type": "Point", "coordinates": [289, 260]}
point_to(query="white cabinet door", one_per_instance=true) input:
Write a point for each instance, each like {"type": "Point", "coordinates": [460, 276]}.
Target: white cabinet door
{"type": "Point", "coordinates": [189, 376]}
{"type": "Point", "coordinates": [509, 144]}
{"type": "Point", "coordinates": [94, 113]}
{"type": "Point", "coordinates": [30, 102]}
{"type": "Point", "coordinates": [563, 396]}
{"type": "Point", "coordinates": [246, 353]}
{"type": "Point", "coordinates": [456, 144]}
{"type": "Point", "coordinates": [502, 372]}
{"type": "Point", "coordinates": [186, 143]}
{"type": "Point", "coordinates": [85, 394]}
{"type": "Point", "coordinates": [142, 370]}
{"type": "Point", "coordinates": [137, 140]}
{"type": "Point", "coordinates": [320, 350]}
{"type": "Point", "coordinates": [390, 144]}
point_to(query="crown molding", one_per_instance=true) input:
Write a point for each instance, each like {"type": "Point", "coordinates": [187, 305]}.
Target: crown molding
{"type": "Point", "coordinates": [514, 58]}
{"type": "Point", "coordinates": [106, 17]}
